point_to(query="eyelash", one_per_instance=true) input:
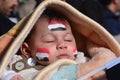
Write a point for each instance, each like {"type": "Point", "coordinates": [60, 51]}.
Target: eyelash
{"type": "Point", "coordinates": [49, 41]}
{"type": "Point", "coordinates": [68, 40]}
{"type": "Point", "coordinates": [53, 41]}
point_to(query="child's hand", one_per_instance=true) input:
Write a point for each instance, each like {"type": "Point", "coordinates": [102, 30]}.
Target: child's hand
{"type": "Point", "coordinates": [101, 56]}
{"type": "Point", "coordinates": [17, 77]}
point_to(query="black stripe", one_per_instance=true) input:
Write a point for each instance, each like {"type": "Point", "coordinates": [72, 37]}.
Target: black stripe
{"type": "Point", "coordinates": [58, 29]}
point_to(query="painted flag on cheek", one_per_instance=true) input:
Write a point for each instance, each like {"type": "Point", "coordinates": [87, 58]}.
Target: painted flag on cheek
{"type": "Point", "coordinates": [42, 54]}
{"type": "Point", "coordinates": [75, 52]}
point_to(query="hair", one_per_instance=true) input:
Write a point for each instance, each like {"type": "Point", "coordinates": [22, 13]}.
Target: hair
{"type": "Point", "coordinates": [39, 1]}
{"type": "Point", "coordinates": [52, 14]}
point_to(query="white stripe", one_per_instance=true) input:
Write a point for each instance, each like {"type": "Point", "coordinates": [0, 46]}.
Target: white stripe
{"type": "Point", "coordinates": [41, 55]}
{"type": "Point", "coordinates": [54, 26]}
{"type": "Point", "coordinates": [76, 52]}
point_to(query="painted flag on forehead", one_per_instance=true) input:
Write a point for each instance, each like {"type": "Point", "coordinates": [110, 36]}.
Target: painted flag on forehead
{"type": "Point", "coordinates": [57, 25]}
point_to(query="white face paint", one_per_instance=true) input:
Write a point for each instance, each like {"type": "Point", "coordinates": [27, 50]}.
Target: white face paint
{"type": "Point", "coordinates": [42, 56]}
{"type": "Point", "coordinates": [76, 52]}
{"type": "Point", "coordinates": [56, 26]}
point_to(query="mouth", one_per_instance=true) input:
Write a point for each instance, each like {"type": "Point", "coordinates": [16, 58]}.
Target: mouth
{"type": "Point", "coordinates": [61, 56]}
{"type": "Point", "coordinates": [10, 10]}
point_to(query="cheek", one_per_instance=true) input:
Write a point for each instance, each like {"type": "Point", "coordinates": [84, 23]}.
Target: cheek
{"type": "Point", "coordinates": [42, 54]}
{"type": "Point", "coordinates": [43, 50]}
{"type": "Point", "coordinates": [75, 51]}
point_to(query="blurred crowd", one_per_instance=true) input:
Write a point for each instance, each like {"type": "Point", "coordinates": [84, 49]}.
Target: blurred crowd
{"type": "Point", "coordinates": [105, 12]}
{"type": "Point", "coordinates": [11, 11]}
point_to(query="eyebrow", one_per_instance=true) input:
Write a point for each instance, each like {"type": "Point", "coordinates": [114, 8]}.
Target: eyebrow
{"type": "Point", "coordinates": [45, 35]}
{"type": "Point", "coordinates": [51, 34]}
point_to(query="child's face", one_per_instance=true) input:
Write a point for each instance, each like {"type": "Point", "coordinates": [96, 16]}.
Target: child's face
{"type": "Point", "coordinates": [49, 42]}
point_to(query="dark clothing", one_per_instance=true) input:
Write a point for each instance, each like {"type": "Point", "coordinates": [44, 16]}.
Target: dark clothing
{"type": "Point", "coordinates": [91, 8]}
{"type": "Point", "coordinates": [111, 22]}
{"type": "Point", "coordinates": [113, 73]}
{"type": "Point", "coordinates": [5, 24]}
{"type": "Point", "coordinates": [75, 3]}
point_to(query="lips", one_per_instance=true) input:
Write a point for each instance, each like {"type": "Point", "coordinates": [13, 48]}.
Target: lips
{"type": "Point", "coordinates": [63, 56]}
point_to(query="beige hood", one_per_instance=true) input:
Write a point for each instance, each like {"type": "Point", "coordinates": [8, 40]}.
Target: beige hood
{"type": "Point", "coordinates": [82, 26]}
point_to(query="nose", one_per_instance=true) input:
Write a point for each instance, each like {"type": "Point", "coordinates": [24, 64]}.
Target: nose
{"type": "Point", "coordinates": [61, 46]}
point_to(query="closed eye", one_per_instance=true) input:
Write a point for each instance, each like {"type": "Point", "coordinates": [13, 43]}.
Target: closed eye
{"type": "Point", "coordinates": [68, 40]}
{"type": "Point", "coordinates": [49, 41]}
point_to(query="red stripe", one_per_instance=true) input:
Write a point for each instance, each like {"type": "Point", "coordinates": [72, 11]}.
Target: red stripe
{"type": "Point", "coordinates": [43, 50]}
{"type": "Point", "coordinates": [57, 22]}
{"type": "Point", "coordinates": [74, 50]}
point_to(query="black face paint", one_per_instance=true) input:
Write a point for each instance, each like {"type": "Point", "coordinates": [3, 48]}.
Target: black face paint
{"type": "Point", "coordinates": [42, 57]}
{"type": "Point", "coordinates": [58, 29]}
{"type": "Point", "coordinates": [42, 54]}
{"type": "Point", "coordinates": [75, 55]}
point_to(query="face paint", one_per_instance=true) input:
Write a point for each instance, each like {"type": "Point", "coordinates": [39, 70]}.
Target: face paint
{"type": "Point", "coordinates": [42, 54]}
{"type": "Point", "coordinates": [75, 52]}
{"type": "Point", "coordinates": [56, 25]}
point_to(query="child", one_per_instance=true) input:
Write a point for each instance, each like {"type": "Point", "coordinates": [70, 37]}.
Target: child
{"type": "Point", "coordinates": [51, 39]}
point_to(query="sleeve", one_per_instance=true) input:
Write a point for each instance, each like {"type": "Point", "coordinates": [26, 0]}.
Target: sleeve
{"type": "Point", "coordinates": [7, 75]}
{"type": "Point", "coordinates": [66, 73]}
{"type": "Point", "coordinates": [113, 73]}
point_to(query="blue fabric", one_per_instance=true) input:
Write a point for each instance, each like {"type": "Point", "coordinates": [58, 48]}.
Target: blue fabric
{"type": "Point", "coordinates": [65, 73]}
{"type": "Point", "coordinates": [111, 22]}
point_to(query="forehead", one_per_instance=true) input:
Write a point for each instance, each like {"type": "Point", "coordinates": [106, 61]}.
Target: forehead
{"type": "Point", "coordinates": [43, 24]}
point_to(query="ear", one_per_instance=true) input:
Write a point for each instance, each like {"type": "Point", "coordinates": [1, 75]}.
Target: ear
{"type": "Point", "coordinates": [25, 50]}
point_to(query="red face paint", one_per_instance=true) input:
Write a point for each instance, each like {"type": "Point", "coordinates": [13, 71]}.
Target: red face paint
{"type": "Point", "coordinates": [75, 51]}
{"type": "Point", "coordinates": [53, 21]}
{"type": "Point", "coordinates": [43, 50]}
{"type": "Point", "coordinates": [42, 54]}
